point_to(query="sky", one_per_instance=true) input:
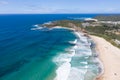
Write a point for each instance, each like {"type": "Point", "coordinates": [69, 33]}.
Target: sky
{"type": "Point", "coordinates": [58, 6]}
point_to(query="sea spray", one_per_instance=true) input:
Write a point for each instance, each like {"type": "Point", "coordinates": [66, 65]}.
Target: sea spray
{"type": "Point", "coordinates": [78, 66]}
{"type": "Point", "coordinates": [95, 65]}
{"type": "Point", "coordinates": [21, 46]}
{"type": "Point", "coordinates": [95, 59]}
{"type": "Point", "coordinates": [77, 62]}
{"type": "Point", "coordinates": [63, 61]}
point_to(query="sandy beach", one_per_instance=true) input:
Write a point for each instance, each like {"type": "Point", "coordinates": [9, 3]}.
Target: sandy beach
{"type": "Point", "coordinates": [110, 57]}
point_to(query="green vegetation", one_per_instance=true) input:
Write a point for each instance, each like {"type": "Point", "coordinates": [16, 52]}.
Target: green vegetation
{"type": "Point", "coordinates": [64, 23]}
{"type": "Point", "coordinates": [101, 32]}
{"type": "Point", "coordinates": [108, 17]}
{"type": "Point", "coordinates": [110, 33]}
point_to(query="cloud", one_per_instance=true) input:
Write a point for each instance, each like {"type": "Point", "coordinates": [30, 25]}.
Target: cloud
{"type": "Point", "coordinates": [3, 2]}
{"type": "Point", "coordinates": [37, 9]}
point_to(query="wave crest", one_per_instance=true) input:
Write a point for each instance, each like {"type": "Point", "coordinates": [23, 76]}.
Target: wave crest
{"type": "Point", "coordinates": [75, 65]}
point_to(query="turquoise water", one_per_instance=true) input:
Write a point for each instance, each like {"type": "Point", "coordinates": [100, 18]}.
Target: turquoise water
{"type": "Point", "coordinates": [82, 63]}
{"type": "Point", "coordinates": [35, 61]}
{"type": "Point", "coordinates": [42, 53]}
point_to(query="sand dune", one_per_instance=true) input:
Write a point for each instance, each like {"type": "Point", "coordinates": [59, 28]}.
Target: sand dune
{"type": "Point", "coordinates": [110, 57]}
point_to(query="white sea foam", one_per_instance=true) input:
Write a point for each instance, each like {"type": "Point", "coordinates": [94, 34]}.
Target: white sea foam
{"type": "Point", "coordinates": [76, 74]}
{"type": "Point", "coordinates": [84, 62]}
{"type": "Point", "coordinates": [36, 27]}
{"type": "Point", "coordinates": [69, 66]}
{"type": "Point", "coordinates": [61, 27]}
{"type": "Point", "coordinates": [47, 23]}
{"type": "Point", "coordinates": [73, 42]}
{"type": "Point", "coordinates": [81, 37]}
{"type": "Point", "coordinates": [64, 66]}
{"type": "Point", "coordinates": [63, 71]}
{"type": "Point", "coordinates": [63, 61]}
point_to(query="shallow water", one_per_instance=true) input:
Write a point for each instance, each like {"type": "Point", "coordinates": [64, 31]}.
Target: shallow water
{"type": "Point", "coordinates": [81, 64]}
{"type": "Point", "coordinates": [31, 53]}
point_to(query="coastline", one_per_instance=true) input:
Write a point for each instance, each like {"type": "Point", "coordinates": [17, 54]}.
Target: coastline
{"type": "Point", "coordinates": [108, 55]}
{"type": "Point", "coordinates": [74, 71]}
{"type": "Point", "coordinates": [44, 49]}
{"type": "Point", "coordinates": [110, 58]}
{"type": "Point", "coordinates": [90, 40]}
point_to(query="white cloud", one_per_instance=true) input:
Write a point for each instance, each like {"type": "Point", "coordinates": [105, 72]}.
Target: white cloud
{"type": "Point", "coordinates": [37, 9]}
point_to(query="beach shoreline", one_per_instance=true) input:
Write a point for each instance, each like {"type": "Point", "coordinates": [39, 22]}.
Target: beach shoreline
{"type": "Point", "coordinates": [79, 31]}
{"type": "Point", "coordinates": [110, 58]}
{"type": "Point", "coordinates": [108, 54]}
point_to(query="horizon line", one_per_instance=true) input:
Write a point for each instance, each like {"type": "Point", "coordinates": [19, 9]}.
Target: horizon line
{"type": "Point", "coordinates": [56, 13]}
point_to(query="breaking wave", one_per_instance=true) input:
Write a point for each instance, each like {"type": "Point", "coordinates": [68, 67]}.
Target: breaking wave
{"type": "Point", "coordinates": [77, 62]}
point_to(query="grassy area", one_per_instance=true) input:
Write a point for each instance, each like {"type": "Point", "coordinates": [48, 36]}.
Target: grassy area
{"type": "Point", "coordinates": [97, 30]}
{"type": "Point", "coordinates": [108, 17]}
{"type": "Point", "coordinates": [106, 37]}
{"type": "Point", "coordinates": [64, 23]}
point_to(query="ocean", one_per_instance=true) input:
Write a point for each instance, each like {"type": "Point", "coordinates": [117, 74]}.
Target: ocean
{"type": "Point", "coordinates": [45, 54]}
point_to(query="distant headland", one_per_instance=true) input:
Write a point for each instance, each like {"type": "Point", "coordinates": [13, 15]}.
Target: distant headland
{"type": "Point", "coordinates": [107, 27]}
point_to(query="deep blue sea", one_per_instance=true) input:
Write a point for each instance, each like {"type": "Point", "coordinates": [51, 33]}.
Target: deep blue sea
{"type": "Point", "coordinates": [27, 54]}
